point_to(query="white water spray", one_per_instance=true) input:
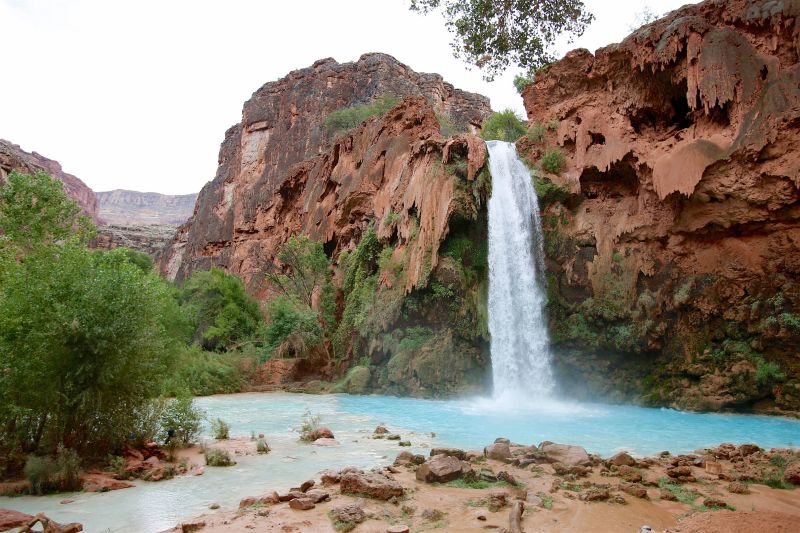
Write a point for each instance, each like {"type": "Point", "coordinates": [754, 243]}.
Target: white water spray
{"type": "Point", "coordinates": [517, 322]}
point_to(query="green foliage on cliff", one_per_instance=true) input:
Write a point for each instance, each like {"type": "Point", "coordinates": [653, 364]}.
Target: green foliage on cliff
{"type": "Point", "coordinates": [553, 160]}
{"type": "Point", "coordinates": [494, 35]}
{"type": "Point", "coordinates": [503, 126]}
{"type": "Point", "coordinates": [307, 269]}
{"type": "Point", "coordinates": [222, 313]}
{"type": "Point", "coordinates": [547, 191]}
{"type": "Point", "coordinates": [294, 328]}
{"type": "Point", "coordinates": [348, 118]}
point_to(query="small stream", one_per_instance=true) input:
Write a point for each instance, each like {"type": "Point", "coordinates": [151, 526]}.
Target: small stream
{"type": "Point", "coordinates": [469, 424]}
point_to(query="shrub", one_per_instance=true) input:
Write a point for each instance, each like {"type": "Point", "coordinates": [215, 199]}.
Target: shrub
{"type": "Point", "coordinates": [202, 373]}
{"type": "Point", "coordinates": [791, 320]}
{"type": "Point", "coordinates": [547, 191]}
{"type": "Point", "coordinates": [183, 419]}
{"type": "Point", "coordinates": [537, 132]}
{"type": "Point", "coordinates": [217, 457]}
{"type": "Point", "coordinates": [310, 422]}
{"type": "Point", "coordinates": [553, 160]}
{"type": "Point", "coordinates": [117, 465]}
{"type": "Point", "coordinates": [768, 373]}
{"type": "Point", "coordinates": [223, 313]}
{"type": "Point", "coordinates": [293, 328]}
{"type": "Point", "coordinates": [446, 126]}
{"type": "Point", "coordinates": [48, 474]}
{"type": "Point", "coordinates": [262, 446]}
{"type": "Point", "coordinates": [521, 81]}
{"type": "Point", "coordinates": [503, 126]}
{"type": "Point", "coordinates": [220, 429]}
{"type": "Point", "coordinates": [391, 219]}
{"type": "Point", "coordinates": [348, 118]}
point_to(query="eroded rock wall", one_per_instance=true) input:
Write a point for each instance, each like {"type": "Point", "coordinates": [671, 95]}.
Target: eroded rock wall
{"type": "Point", "coordinates": [133, 208]}
{"type": "Point", "coordinates": [14, 158]}
{"type": "Point", "coordinates": [239, 216]}
{"type": "Point", "coordinates": [673, 232]}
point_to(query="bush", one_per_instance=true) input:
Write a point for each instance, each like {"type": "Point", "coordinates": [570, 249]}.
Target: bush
{"type": "Point", "coordinates": [262, 446]}
{"type": "Point", "coordinates": [768, 373]}
{"type": "Point", "coordinates": [220, 429]}
{"type": "Point", "coordinates": [547, 191]}
{"type": "Point", "coordinates": [48, 474]}
{"type": "Point", "coordinates": [503, 126]}
{"type": "Point", "coordinates": [537, 132]}
{"type": "Point", "coordinates": [310, 422]}
{"type": "Point", "coordinates": [553, 160]}
{"type": "Point", "coordinates": [446, 127]}
{"type": "Point", "coordinates": [348, 118]}
{"type": "Point", "coordinates": [217, 457]}
{"type": "Point", "coordinates": [293, 328]}
{"type": "Point", "coordinates": [521, 81]}
{"type": "Point", "coordinates": [223, 314]}
{"type": "Point", "coordinates": [201, 373]}
{"type": "Point", "coordinates": [183, 419]}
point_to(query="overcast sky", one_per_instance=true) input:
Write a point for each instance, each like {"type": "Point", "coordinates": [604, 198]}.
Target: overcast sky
{"type": "Point", "coordinates": [138, 94]}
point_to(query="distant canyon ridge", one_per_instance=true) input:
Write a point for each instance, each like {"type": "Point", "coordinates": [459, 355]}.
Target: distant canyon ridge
{"type": "Point", "coordinates": [143, 221]}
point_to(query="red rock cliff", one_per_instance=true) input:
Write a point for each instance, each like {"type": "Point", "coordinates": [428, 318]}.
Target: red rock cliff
{"type": "Point", "coordinates": [674, 239]}
{"type": "Point", "coordinates": [260, 195]}
{"type": "Point", "coordinates": [14, 158]}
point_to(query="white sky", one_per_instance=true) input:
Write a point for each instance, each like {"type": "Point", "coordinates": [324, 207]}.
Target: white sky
{"type": "Point", "coordinates": [137, 94]}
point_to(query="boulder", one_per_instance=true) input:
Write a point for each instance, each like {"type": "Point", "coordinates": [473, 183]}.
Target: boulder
{"type": "Point", "coordinates": [441, 469]}
{"type": "Point", "coordinates": [565, 453]}
{"type": "Point", "coordinates": [622, 459]}
{"type": "Point", "coordinates": [432, 515]}
{"type": "Point", "coordinates": [408, 458]}
{"type": "Point", "coordinates": [629, 474]}
{"type": "Point", "coordinates": [371, 485]}
{"type": "Point", "coordinates": [326, 442]}
{"type": "Point", "coordinates": [10, 519]}
{"type": "Point", "coordinates": [737, 487]}
{"type": "Point", "coordinates": [306, 485]}
{"type": "Point", "coordinates": [351, 514]}
{"type": "Point", "coordinates": [291, 495]}
{"type": "Point", "coordinates": [596, 494]}
{"type": "Point", "coordinates": [499, 451]}
{"type": "Point", "coordinates": [502, 440]}
{"type": "Point", "coordinates": [100, 482]}
{"type": "Point", "coordinates": [634, 489]}
{"type": "Point", "coordinates": [302, 504]}
{"type": "Point", "coordinates": [792, 473]}
{"type": "Point", "coordinates": [453, 452]}
{"type": "Point", "coordinates": [565, 470]}
{"type": "Point", "coordinates": [318, 495]}
{"type": "Point", "coordinates": [748, 449]}
{"type": "Point", "coordinates": [393, 436]}
{"type": "Point", "coordinates": [714, 502]}
{"type": "Point", "coordinates": [319, 433]}
{"type": "Point", "coordinates": [380, 430]}
{"type": "Point", "coordinates": [497, 500]}
{"type": "Point", "coordinates": [713, 467]}
{"type": "Point", "coordinates": [397, 528]}
{"type": "Point", "coordinates": [330, 477]}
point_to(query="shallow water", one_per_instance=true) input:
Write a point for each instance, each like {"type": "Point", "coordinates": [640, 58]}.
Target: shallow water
{"type": "Point", "coordinates": [470, 424]}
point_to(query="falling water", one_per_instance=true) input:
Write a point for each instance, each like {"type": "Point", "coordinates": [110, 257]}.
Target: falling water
{"type": "Point", "coordinates": [517, 323]}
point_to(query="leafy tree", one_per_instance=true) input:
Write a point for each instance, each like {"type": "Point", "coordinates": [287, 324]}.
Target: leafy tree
{"type": "Point", "coordinates": [307, 269]}
{"type": "Point", "coordinates": [493, 35]}
{"type": "Point", "coordinates": [140, 259]}
{"type": "Point", "coordinates": [34, 211]}
{"type": "Point", "coordinates": [82, 348]}
{"type": "Point", "coordinates": [223, 312]}
{"type": "Point", "coordinates": [503, 126]}
{"type": "Point", "coordinates": [294, 328]}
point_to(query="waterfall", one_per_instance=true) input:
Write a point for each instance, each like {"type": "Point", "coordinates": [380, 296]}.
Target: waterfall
{"type": "Point", "coordinates": [517, 322]}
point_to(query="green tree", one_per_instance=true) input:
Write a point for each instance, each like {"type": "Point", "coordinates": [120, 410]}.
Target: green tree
{"type": "Point", "coordinates": [503, 126]}
{"type": "Point", "coordinates": [34, 211]}
{"type": "Point", "coordinates": [83, 346]}
{"type": "Point", "coordinates": [224, 314]}
{"type": "Point", "coordinates": [294, 328]}
{"type": "Point", "coordinates": [494, 35]}
{"type": "Point", "coordinates": [307, 268]}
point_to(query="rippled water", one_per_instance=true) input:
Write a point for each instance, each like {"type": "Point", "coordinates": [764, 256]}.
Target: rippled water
{"type": "Point", "coordinates": [470, 424]}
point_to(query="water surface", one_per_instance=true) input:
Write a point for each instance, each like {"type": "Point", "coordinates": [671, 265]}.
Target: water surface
{"type": "Point", "coordinates": [470, 424]}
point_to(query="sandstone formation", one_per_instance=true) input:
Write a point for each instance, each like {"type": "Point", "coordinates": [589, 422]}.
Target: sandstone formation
{"type": "Point", "coordinates": [395, 179]}
{"type": "Point", "coordinates": [149, 239]}
{"type": "Point", "coordinates": [262, 191]}
{"type": "Point", "coordinates": [673, 232]}
{"type": "Point", "coordinates": [131, 208]}
{"type": "Point", "coordinates": [14, 158]}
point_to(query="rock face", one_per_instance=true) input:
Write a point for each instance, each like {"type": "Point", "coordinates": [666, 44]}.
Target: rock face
{"type": "Point", "coordinates": [395, 179]}
{"type": "Point", "coordinates": [673, 232]}
{"type": "Point", "coordinates": [262, 193]}
{"type": "Point", "coordinates": [132, 208]}
{"type": "Point", "coordinates": [149, 239]}
{"type": "Point", "coordinates": [14, 158]}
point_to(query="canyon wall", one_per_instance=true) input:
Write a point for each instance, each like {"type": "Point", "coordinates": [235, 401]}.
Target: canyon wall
{"type": "Point", "coordinates": [404, 204]}
{"type": "Point", "coordinates": [283, 124]}
{"type": "Point", "coordinates": [14, 158]}
{"type": "Point", "coordinates": [131, 208]}
{"type": "Point", "coordinates": [673, 230]}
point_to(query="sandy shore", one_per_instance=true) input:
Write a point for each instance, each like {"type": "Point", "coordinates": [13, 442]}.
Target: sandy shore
{"type": "Point", "coordinates": [552, 502]}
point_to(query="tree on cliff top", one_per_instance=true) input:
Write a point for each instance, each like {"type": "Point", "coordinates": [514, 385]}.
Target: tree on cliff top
{"type": "Point", "coordinates": [493, 34]}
